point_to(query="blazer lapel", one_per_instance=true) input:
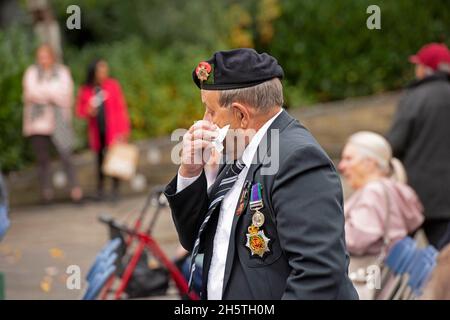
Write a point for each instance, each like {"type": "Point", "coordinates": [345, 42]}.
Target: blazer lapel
{"type": "Point", "coordinates": [259, 160]}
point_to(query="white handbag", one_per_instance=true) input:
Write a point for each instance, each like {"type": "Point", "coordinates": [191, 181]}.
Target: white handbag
{"type": "Point", "coordinates": [121, 161]}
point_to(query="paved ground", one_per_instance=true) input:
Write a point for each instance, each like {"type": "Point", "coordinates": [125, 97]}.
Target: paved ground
{"type": "Point", "coordinates": [44, 240]}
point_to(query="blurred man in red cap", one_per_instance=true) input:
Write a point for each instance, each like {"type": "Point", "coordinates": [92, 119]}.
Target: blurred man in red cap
{"type": "Point", "coordinates": [432, 57]}
{"type": "Point", "coordinates": [419, 137]}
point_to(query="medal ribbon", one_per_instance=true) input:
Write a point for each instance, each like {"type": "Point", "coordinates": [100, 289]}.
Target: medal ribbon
{"type": "Point", "coordinates": [256, 198]}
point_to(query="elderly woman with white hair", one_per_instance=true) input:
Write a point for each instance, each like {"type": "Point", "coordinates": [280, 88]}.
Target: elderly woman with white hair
{"type": "Point", "coordinates": [383, 209]}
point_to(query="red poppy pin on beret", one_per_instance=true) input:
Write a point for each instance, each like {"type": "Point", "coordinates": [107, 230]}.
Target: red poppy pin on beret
{"type": "Point", "coordinates": [203, 70]}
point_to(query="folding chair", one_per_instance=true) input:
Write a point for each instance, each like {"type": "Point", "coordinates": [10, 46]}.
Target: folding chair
{"type": "Point", "coordinates": [98, 281]}
{"type": "Point", "coordinates": [431, 252]}
{"type": "Point", "coordinates": [105, 252]}
{"type": "Point", "coordinates": [396, 263]}
{"type": "Point", "coordinates": [406, 276]}
{"type": "Point", "coordinates": [102, 269]}
{"type": "Point", "coordinates": [394, 257]}
{"type": "Point", "coordinates": [420, 273]}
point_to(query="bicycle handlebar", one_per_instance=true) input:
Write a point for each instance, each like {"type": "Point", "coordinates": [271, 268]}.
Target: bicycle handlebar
{"type": "Point", "coordinates": [109, 220]}
{"type": "Point", "coordinates": [157, 195]}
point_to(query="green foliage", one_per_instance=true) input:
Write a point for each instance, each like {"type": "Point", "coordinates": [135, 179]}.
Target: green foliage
{"type": "Point", "coordinates": [152, 47]}
{"type": "Point", "coordinates": [157, 85]}
{"type": "Point", "coordinates": [161, 23]}
{"type": "Point", "coordinates": [15, 55]}
{"type": "Point", "coordinates": [328, 53]}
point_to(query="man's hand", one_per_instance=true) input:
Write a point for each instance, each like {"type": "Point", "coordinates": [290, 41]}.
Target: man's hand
{"type": "Point", "coordinates": [195, 142]}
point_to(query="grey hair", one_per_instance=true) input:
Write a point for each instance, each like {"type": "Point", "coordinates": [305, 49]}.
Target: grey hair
{"type": "Point", "coordinates": [262, 96]}
{"type": "Point", "coordinates": [374, 146]}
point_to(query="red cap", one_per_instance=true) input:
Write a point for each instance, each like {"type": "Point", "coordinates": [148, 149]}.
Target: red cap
{"type": "Point", "coordinates": [431, 55]}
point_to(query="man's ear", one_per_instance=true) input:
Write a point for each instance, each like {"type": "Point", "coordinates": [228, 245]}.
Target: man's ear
{"type": "Point", "coordinates": [241, 114]}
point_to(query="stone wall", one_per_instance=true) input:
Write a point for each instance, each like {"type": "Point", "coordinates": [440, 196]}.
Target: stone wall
{"type": "Point", "coordinates": [331, 123]}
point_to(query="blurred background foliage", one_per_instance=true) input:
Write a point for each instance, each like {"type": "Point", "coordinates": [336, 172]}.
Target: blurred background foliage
{"type": "Point", "coordinates": [16, 53]}
{"type": "Point", "coordinates": [152, 47]}
{"type": "Point", "coordinates": [328, 53]}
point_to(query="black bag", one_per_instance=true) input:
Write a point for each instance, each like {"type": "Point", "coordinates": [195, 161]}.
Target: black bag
{"type": "Point", "coordinates": [146, 281]}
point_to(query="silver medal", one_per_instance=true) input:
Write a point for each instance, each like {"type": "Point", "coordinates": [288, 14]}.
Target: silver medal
{"type": "Point", "coordinates": [258, 219]}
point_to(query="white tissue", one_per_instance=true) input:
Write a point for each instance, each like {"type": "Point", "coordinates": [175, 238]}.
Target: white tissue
{"type": "Point", "coordinates": [221, 134]}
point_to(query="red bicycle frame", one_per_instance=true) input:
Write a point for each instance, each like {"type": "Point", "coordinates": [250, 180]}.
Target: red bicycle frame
{"type": "Point", "coordinates": [145, 240]}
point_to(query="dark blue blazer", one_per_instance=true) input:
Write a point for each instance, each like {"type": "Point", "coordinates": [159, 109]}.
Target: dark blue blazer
{"type": "Point", "coordinates": [304, 221]}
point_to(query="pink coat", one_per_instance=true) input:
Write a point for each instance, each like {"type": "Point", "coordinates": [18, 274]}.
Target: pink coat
{"type": "Point", "coordinates": [365, 216]}
{"type": "Point", "coordinates": [116, 113]}
{"type": "Point", "coordinates": [51, 91]}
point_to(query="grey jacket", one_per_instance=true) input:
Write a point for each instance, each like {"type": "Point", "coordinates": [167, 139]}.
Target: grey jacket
{"type": "Point", "coordinates": [304, 220]}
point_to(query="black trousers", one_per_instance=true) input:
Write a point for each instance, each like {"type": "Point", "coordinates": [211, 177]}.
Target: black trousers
{"type": "Point", "coordinates": [41, 147]}
{"type": "Point", "coordinates": [437, 232]}
{"type": "Point", "coordinates": [100, 175]}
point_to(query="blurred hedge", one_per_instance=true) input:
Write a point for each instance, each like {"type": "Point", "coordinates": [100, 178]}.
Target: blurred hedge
{"type": "Point", "coordinates": [16, 47]}
{"type": "Point", "coordinates": [328, 53]}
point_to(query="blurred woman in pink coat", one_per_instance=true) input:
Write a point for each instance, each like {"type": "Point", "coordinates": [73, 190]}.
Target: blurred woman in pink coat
{"type": "Point", "coordinates": [48, 101]}
{"type": "Point", "coordinates": [383, 209]}
{"type": "Point", "coordinates": [102, 103]}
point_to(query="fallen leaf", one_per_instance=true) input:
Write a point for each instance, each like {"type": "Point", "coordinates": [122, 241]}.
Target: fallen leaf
{"type": "Point", "coordinates": [56, 253]}
{"type": "Point", "coordinates": [46, 284]}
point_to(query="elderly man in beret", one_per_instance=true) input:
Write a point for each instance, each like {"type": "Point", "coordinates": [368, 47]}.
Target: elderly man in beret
{"type": "Point", "coordinates": [270, 221]}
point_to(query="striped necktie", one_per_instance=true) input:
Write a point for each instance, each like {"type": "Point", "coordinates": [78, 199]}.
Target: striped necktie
{"type": "Point", "coordinates": [227, 179]}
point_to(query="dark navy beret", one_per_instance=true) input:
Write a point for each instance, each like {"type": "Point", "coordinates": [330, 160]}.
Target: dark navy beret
{"type": "Point", "coordinates": [239, 68]}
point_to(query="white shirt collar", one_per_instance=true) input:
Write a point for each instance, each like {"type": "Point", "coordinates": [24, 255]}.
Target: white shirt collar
{"type": "Point", "coordinates": [250, 150]}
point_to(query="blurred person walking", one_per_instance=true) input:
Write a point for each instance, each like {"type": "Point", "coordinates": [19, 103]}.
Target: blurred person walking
{"type": "Point", "coordinates": [419, 137]}
{"type": "Point", "coordinates": [102, 103]}
{"type": "Point", "coordinates": [48, 98]}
